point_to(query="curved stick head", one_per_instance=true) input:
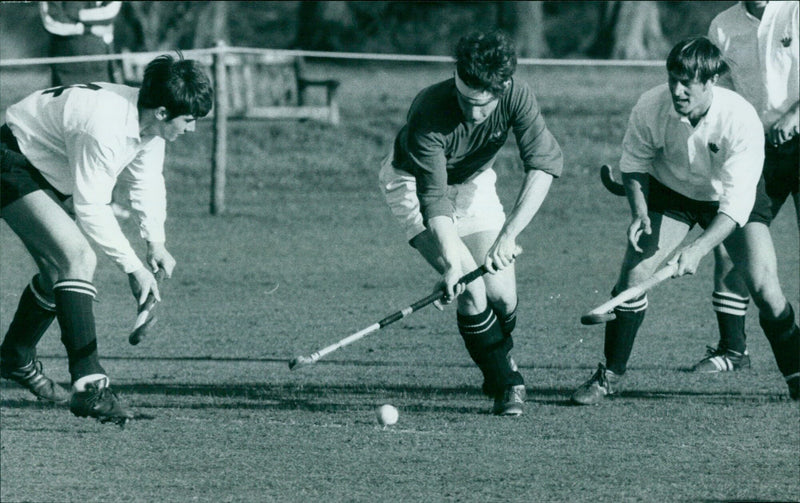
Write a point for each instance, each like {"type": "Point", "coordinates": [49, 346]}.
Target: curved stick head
{"type": "Point", "coordinates": [141, 331]}
{"type": "Point", "coordinates": [300, 361]}
{"type": "Point", "coordinates": [597, 318]}
{"type": "Point", "coordinates": [607, 177]}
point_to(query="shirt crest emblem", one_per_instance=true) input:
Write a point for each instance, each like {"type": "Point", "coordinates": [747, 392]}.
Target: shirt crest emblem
{"type": "Point", "coordinates": [713, 147]}
{"type": "Point", "coordinates": [786, 41]}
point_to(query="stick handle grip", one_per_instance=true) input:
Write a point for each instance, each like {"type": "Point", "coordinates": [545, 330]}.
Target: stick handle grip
{"type": "Point", "coordinates": [636, 290]}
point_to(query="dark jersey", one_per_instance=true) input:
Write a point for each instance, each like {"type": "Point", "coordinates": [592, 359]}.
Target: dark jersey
{"type": "Point", "coordinates": [440, 148]}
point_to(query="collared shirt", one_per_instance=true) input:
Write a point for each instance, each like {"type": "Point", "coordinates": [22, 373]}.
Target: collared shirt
{"type": "Point", "coordinates": [719, 159]}
{"type": "Point", "coordinates": [83, 138]}
{"type": "Point", "coordinates": [763, 55]}
{"type": "Point", "coordinates": [440, 148]}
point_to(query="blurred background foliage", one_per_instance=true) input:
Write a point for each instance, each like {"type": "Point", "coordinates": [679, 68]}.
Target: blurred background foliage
{"type": "Point", "coordinates": [564, 29]}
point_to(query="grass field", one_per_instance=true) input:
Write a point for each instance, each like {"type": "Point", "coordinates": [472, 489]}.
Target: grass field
{"type": "Point", "coordinates": [230, 422]}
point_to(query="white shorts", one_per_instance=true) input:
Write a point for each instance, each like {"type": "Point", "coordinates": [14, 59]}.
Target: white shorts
{"type": "Point", "coordinates": [477, 207]}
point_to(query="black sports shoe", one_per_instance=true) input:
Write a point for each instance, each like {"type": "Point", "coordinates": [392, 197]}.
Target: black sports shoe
{"type": "Point", "coordinates": [99, 402]}
{"type": "Point", "coordinates": [30, 376]}
{"type": "Point", "coordinates": [595, 389]}
{"type": "Point", "coordinates": [510, 401]}
{"type": "Point", "coordinates": [722, 360]}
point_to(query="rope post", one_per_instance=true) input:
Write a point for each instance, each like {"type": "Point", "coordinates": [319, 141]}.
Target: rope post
{"type": "Point", "coordinates": [217, 206]}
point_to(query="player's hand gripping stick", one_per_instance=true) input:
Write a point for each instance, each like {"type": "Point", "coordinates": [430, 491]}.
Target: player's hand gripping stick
{"type": "Point", "coordinates": [146, 317]}
{"type": "Point", "coordinates": [605, 312]}
{"type": "Point", "coordinates": [396, 316]}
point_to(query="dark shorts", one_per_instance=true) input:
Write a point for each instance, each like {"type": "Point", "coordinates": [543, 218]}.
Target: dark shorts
{"type": "Point", "coordinates": [781, 172]}
{"type": "Point", "coordinates": [18, 177]}
{"type": "Point", "coordinates": [662, 199]}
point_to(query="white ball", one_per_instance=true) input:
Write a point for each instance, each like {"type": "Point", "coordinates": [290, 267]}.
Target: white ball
{"type": "Point", "coordinates": [387, 415]}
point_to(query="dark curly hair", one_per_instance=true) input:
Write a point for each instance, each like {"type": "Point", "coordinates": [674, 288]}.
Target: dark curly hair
{"type": "Point", "coordinates": [486, 61]}
{"type": "Point", "coordinates": [181, 86]}
{"type": "Point", "coordinates": [696, 57]}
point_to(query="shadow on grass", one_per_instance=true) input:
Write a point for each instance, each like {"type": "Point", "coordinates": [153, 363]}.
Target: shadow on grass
{"type": "Point", "coordinates": [372, 363]}
{"type": "Point", "coordinates": [331, 397]}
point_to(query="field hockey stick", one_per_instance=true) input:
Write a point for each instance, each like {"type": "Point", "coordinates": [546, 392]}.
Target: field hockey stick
{"type": "Point", "coordinates": [146, 318]}
{"type": "Point", "coordinates": [605, 312]}
{"type": "Point", "coordinates": [607, 177]}
{"type": "Point", "coordinates": [396, 316]}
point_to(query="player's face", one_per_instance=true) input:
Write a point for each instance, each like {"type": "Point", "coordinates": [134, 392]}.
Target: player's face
{"type": "Point", "coordinates": [173, 128]}
{"type": "Point", "coordinates": [476, 111]}
{"type": "Point", "coordinates": [691, 98]}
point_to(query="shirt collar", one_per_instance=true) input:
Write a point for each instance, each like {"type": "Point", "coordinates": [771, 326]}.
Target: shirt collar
{"type": "Point", "coordinates": [751, 18]}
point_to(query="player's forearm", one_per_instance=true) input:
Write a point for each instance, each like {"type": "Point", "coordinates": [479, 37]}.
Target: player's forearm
{"type": "Point", "coordinates": [718, 230]}
{"type": "Point", "coordinates": [100, 225]}
{"type": "Point", "coordinates": [637, 186]}
{"type": "Point", "coordinates": [445, 235]}
{"type": "Point", "coordinates": [533, 193]}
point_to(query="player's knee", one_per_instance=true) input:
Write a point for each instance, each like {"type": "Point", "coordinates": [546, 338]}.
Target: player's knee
{"type": "Point", "coordinates": [79, 261]}
{"type": "Point", "coordinates": [766, 290]}
{"type": "Point", "coordinates": [473, 300]}
{"type": "Point", "coordinates": [504, 303]}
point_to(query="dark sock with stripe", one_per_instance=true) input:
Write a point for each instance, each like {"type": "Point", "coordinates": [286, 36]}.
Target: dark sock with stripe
{"type": "Point", "coordinates": [730, 310]}
{"type": "Point", "coordinates": [784, 337]}
{"type": "Point", "coordinates": [35, 313]}
{"type": "Point", "coordinates": [508, 321]}
{"type": "Point", "coordinates": [75, 312]}
{"type": "Point", "coordinates": [621, 332]}
{"type": "Point", "coordinates": [489, 349]}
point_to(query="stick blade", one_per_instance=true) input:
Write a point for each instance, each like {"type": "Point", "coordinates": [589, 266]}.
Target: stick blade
{"type": "Point", "coordinates": [300, 361]}
{"type": "Point", "coordinates": [597, 318]}
{"type": "Point", "coordinates": [607, 177]}
{"type": "Point", "coordinates": [141, 331]}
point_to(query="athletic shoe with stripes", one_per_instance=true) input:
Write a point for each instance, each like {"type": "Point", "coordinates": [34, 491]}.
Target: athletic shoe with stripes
{"type": "Point", "coordinates": [31, 377]}
{"type": "Point", "coordinates": [722, 360]}
{"type": "Point", "coordinates": [595, 389]}
{"type": "Point", "coordinates": [510, 401]}
{"type": "Point", "coordinates": [98, 401]}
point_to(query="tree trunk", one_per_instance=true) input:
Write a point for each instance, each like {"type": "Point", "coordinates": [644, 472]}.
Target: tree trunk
{"type": "Point", "coordinates": [627, 30]}
{"type": "Point", "coordinates": [317, 22]}
{"type": "Point", "coordinates": [637, 33]}
{"type": "Point", "coordinates": [524, 22]}
{"type": "Point", "coordinates": [600, 45]}
{"type": "Point", "coordinates": [308, 18]}
{"type": "Point", "coordinates": [214, 15]}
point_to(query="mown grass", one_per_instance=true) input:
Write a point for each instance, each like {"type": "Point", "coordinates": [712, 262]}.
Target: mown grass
{"type": "Point", "coordinates": [229, 422]}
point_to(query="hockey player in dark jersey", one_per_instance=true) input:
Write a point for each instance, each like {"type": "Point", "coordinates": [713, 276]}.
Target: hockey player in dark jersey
{"type": "Point", "coordinates": [439, 183]}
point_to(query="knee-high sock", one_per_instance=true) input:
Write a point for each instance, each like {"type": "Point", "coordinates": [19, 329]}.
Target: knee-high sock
{"type": "Point", "coordinates": [489, 349]}
{"type": "Point", "coordinates": [621, 332]}
{"type": "Point", "coordinates": [784, 337]}
{"type": "Point", "coordinates": [730, 310]}
{"type": "Point", "coordinates": [35, 313]}
{"type": "Point", "coordinates": [75, 313]}
{"type": "Point", "coordinates": [508, 321]}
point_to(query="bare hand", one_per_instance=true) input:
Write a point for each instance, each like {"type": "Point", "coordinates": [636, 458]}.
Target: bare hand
{"type": "Point", "coordinates": [501, 254]}
{"type": "Point", "coordinates": [142, 283]}
{"type": "Point", "coordinates": [158, 258]}
{"type": "Point", "coordinates": [784, 129]}
{"type": "Point", "coordinates": [449, 284]}
{"type": "Point", "coordinates": [640, 225]}
{"type": "Point", "coordinates": [688, 260]}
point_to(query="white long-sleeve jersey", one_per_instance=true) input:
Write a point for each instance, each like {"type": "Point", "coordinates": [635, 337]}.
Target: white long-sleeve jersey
{"type": "Point", "coordinates": [83, 138]}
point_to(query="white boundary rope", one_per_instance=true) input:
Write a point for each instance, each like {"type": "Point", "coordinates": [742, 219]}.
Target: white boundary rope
{"type": "Point", "coordinates": [321, 54]}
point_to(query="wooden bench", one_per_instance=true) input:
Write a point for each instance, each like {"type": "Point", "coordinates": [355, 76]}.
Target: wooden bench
{"type": "Point", "coordinates": [260, 86]}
